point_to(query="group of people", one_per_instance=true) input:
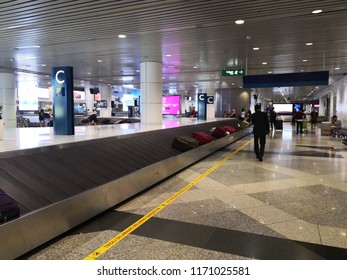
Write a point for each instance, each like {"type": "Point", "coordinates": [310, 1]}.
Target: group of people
{"type": "Point", "coordinates": [45, 118]}
{"type": "Point", "coordinates": [243, 116]}
{"type": "Point", "coordinates": [300, 116]}
{"type": "Point", "coordinates": [262, 123]}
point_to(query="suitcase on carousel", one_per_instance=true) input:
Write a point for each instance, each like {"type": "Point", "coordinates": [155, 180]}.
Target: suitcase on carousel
{"type": "Point", "coordinates": [202, 137]}
{"type": "Point", "coordinates": [185, 143]}
{"type": "Point", "coordinates": [219, 132]}
{"type": "Point", "coordinates": [230, 129]}
{"type": "Point", "coordinates": [8, 207]}
{"type": "Point", "coordinates": [244, 124]}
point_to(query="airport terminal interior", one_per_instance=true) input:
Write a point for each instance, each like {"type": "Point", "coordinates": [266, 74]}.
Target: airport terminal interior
{"type": "Point", "coordinates": [290, 206]}
{"type": "Point", "coordinates": [115, 186]}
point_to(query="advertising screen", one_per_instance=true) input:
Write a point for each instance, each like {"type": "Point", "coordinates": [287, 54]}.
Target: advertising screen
{"type": "Point", "coordinates": [298, 106]}
{"type": "Point", "coordinates": [28, 100]}
{"type": "Point", "coordinates": [171, 105]}
{"type": "Point", "coordinates": [97, 97]}
{"type": "Point", "coordinates": [283, 108]}
{"type": "Point", "coordinates": [80, 108]}
{"type": "Point", "coordinates": [102, 104]}
{"type": "Point", "coordinates": [79, 95]}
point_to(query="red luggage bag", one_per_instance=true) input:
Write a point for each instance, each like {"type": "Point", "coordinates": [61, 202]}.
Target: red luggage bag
{"type": "Point", "coordinates": [202, 137]}
{"type": "Point", "coordinates": [230, 129]}
{"type": "Point", "coordinates": [219, 132]}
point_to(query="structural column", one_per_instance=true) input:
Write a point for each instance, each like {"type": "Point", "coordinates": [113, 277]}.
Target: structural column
{"type": "Point", "coordinates": [211, 91]}
{"type": "Point", "coordinates": [322, 107]}
{"type": "Point", "coordinates": [105, 93]}
{"type": "Point", "coordinates": [89, 97]}
{"type": "Point", "coordinates": [151, 92]}
{"type": "Point", "coordinates": [8, 99]}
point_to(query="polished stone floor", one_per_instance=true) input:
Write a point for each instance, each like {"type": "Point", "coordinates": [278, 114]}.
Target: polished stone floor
{"type": "Point", "coordinates": [292, 205]}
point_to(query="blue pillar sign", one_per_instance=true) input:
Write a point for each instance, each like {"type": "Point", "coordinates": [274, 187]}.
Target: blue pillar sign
{"type": "Point", "coordinates": [202, 106]}
{"type": "Point", "coordinates": [62, 91]}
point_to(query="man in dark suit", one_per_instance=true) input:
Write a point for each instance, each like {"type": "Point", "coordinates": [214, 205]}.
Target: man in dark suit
{"type": "Point", "coordinates": [261, 128]}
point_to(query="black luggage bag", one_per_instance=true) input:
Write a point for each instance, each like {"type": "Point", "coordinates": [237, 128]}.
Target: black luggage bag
{"type": "Point", "coordinates": [185, 143]}
{"type": "Point", "coordinates": [279, 124]}
{"type": "Point", "coordinates": [8, 207]}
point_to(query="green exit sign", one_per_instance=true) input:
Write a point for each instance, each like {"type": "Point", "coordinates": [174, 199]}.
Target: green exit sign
{"type": "Point", "coordinates": [234, 72]}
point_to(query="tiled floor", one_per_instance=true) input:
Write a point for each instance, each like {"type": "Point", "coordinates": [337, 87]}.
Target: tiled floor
{"type": "Point", "coordinates": [293, 205]}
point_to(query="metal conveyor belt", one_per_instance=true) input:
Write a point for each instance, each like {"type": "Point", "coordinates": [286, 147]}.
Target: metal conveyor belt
{"type": "Point", "coordinates": [61, 186]}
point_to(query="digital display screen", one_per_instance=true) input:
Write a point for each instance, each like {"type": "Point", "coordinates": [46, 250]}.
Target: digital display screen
{"type": "Point", "coordinates": [79, 95]}
{"type": "Point", "coordinates": [171, 105]}
{"type": "Point", "coordinates": [80, 108]}
{"type": "Point", "coordinates": [97, 97]}
{"type": "Point", "coordinates": [298, 106]}
{"type": "Point", "coordinates": [102, 104]}
{"type": "Point", "coordinates": [28, 100]}
{"type": "Point", "coordinates": [283, 107]}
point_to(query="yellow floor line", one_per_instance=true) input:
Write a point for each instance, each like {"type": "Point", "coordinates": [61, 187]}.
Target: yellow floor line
{"type": "Point", "coordinates": [108, 245]}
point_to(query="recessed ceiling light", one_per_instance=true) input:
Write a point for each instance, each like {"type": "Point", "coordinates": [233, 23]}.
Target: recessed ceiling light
{"type": "Point", "coordinates": [14, 26]}
{"type": "Point", "coordinates": [264, 63]}
{"type": "Point", "coordinates": [256, 49]}
{"type": "Point", "coordinates": [99, 60]}
{"type": "Point", "coordinates": [122, 36]}
{"type": "Point", "coordinates": [168, 55]}
{"type": "Point", "coordinates": [304, 60]}
{"type": "Point", "coordinates": [239, 21]}
{"type": "Point", "coordinates": [195, 67]}
{"type": "Point", "coordinates": [309, 44]}
{"type": "Point", "coordinates": [28, 47]}
{"type": "Point", "coordinates": [337, 68]}
{"type": "Point", "coordinates": [269, 72]}
{"type": "Point", "coordinates": [317, 11]}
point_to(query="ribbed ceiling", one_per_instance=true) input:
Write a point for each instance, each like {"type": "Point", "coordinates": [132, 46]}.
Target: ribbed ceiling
{"type": "Point", "coordinates": [200, 34]}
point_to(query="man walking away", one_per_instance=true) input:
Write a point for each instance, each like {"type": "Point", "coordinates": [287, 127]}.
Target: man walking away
{"type": "Point", "coordinates": [261, 127]}
{"type": "Point", "coordinates": [299, 118]}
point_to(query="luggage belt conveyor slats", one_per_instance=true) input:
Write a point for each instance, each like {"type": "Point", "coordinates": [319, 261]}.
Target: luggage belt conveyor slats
{"type": "Point", "coordinates": [49, 182]}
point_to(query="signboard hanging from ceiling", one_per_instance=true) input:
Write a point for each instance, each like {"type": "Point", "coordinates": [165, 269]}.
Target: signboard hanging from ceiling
{"type": "Point", "coordinates": [233, 72]}
{"type": "Point", "coordinates": [286, 80]}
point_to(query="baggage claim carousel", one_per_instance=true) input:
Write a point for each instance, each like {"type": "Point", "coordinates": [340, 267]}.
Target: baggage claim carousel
{"type": "Point", "coordinates": [59, 187]}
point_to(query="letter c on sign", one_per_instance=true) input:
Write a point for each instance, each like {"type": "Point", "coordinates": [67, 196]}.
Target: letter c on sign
{"type": "Point", "coordinates": [210, 99]}
{"type": "Point", "coordinates": [201, 97]}
{"type": "Point", "coordinates": [57, 78]}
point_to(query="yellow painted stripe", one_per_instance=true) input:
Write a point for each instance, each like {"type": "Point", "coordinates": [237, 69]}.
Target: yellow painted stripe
{"type": "Point", "coordinates": [108, 245]}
